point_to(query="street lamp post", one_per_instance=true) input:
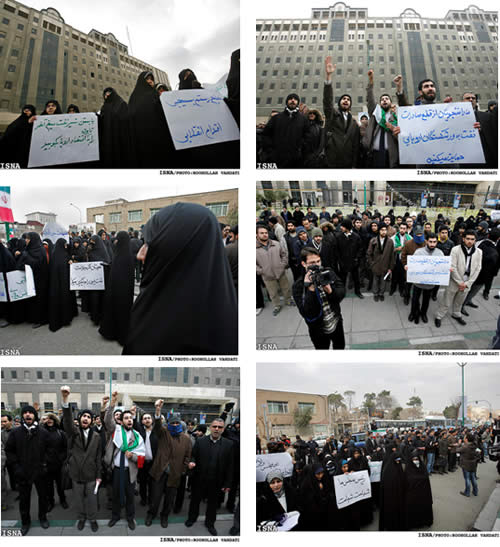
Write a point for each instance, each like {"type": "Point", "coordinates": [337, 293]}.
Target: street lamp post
{"type": "Point", "coordinates": [484, 401]}
{"type": "Point", "coordinates": [79, 210]}
{"type": "Point", "coordinates": [462, 366]}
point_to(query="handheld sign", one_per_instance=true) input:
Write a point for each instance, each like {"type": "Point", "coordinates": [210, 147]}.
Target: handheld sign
{"type": "Point", "coordinates": [351, 488]}
{"type": "Point", "coordinates": [86, 276]}
{"type": "Point", "coordinates": [54, 231]}
{"type": "Point", "coordinates": [281, 462]}
{"type": "Point", "coordinates": [20, 284]}
{"type": "Point", "coordinates": [3, 289]}
{"type": "Point", "coordinates": [436, 134]}
{"type": "Point", "coordinates": [64, 138]}
{"type": "Point", "coordinates": [375, 471]}
{"type": "Point", "coordinates": [429, 270]}
{"type": "Point", "coordinates": [495, 215]}
{"type": "Point", "coordinates": [198, 117]}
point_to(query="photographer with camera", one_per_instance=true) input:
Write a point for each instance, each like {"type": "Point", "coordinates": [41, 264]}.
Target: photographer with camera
{"type": "Point", "coordinates": [318, 295]}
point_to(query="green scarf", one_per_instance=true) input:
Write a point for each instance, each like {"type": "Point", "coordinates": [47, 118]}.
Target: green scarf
{"type": "Point", "coordinates": [383, 122]}
{"type": "Point", "coordinates": [124, 447]}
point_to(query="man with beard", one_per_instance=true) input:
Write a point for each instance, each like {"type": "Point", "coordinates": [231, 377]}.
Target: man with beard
{"type": "Point", "coordinates": [85, 461]}
{"type": "Point", "coordinates": [342, 131]}
{"type": "Point", "coordinates": [418, 311]}
{"type": "Point", "coordinates": [381, 137]}
{"type": "Point", "coordinates": [325, 248]}
{"type": "Point", "coordinates": [381, 260]}
{"type": "Point", "coordinates": [289, 133]}
{"type": "Point", "coordinates": [290, 238]}
{"type": "Point", "coordinates": [170, 462]}
{"type": "Point", "coordinates": [398, 274]}
{"type": "Point", "coordinates": [26, 454]}
{"type": "Point", "coordinates": [349, 252]}
{"type": "Point", "coordinates": [465, 268]}
{"type": "Point", "coordinates": [124, 455]}
{"type": "Point", "coordinates": [418, 499]}
{"type": "Point", "coordinates": [145, 427]}
{"type": "Point", "coordinates": [212, 467]}
{"type": "Point", "coordinates": [56, 454]}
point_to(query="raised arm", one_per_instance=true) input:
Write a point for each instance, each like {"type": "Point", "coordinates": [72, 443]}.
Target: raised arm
{"type": "Point", "coordinates": [328, 108]}
{"type": "Point", "coordinates": [370, 97]}
{"type": "Point", "coordinates": [402, 99]}
{"type": "Point", "coordinates": [69, 427]}
{"type": "Point", "coordinates": [109, 422]}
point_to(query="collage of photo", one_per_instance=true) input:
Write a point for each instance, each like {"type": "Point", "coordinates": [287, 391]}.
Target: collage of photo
{"type": "Point", "coordinates": [129, 353]}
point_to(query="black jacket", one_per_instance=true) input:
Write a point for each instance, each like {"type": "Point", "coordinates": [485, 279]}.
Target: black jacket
{"type": "Point", "coordinates": [201, 456]}
{"type": "Point", "coordinates": [27, 453]}
{"type": "Point", "coordinates": [349, 251]}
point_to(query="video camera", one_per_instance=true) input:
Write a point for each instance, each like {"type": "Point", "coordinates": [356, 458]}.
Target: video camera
{"type": "Point", "coordinates": [321, 276]}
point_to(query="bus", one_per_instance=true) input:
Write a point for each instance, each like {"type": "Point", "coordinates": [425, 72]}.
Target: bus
{"type": "Point", "coordinates": [382, 426]}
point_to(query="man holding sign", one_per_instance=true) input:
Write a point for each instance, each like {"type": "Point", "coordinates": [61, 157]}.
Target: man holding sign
{"type": "Point", "coordinates": [465, 267]}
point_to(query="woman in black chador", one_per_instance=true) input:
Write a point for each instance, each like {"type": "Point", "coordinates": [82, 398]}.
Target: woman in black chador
{"type": "Point", "coordinates": [51, 108]}
{"type": "Point", "coordinates": [35, 256]}
{"type": "Point", "coordinates": [418, 495]}
{"type": "Point", "coordinates": [275, 497]}
{"type": "Point", "coordinates": [187, 302]}
{"type": "Point", "coordinates": [62, 301]}
{"type": "Point", "coordinates": [7, 264]}
{"type": "Point", "coordinates": [359, 462]}
{"type": "Point", "coordinates": [150, 135]}
{"type": "Point", "coordinates": [115, 142]}
{"type": "Point", "coordinates": [318, 511]}
{"type": "Point", "coordinates": [16, 141]}
{"type": "Point", "coordinates": [93, 303]}
{"type": "Point", "coordinates": [393, 494]}
{"type": "Point", "coordinates": [119, 295]}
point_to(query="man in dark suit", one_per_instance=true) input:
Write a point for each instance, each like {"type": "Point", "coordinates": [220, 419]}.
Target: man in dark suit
{"type": "Point", "coordinates": [212, 466]}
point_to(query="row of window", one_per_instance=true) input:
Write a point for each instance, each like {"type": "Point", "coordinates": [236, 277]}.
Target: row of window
{"type": "Point", "coordinates": [281, 407]}
{"type": "Point", "coordinates": [360, 47]}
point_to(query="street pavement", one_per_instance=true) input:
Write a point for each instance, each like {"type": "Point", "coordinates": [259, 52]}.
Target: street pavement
{"type": "Point", "coordinates": [79, 338]}
{"type": "Point", "coordinates": [453, 512]}
{"type": "Point", "coordinates": [63, 521]}
{"type": "Point", "coordinates": [384, 325]}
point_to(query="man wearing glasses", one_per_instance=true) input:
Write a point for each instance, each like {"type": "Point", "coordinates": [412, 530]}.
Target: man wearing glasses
{"type": "Point", "coordinates": [212, 468]}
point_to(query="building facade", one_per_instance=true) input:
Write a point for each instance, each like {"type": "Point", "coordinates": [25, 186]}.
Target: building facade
{"type": "Point", "coordinates": [120, 214]}
{"type": "Point", "coordinates": [192, 391]}
{"type": "Point", "coordinates": [40, 217]}
{"type": "Point", "coordinates": [43, 58]}
{"type": "Point", "coordinates": [275, 413]}
{"type": "Point", "coordinates": [382, 193]}
{"type": "Point", "coordinates": [458, 51]}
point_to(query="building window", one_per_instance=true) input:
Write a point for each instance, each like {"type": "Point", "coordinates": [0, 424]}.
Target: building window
{"type": "Point", "coordinates": [277, 407]}
{"type": "Point", "coordinates": [12, 68]}
{"type": "Point", "coordinates": [228, 381]}
{"type": "Point", "coordinates": [48, 407]}
{"type": "Point", "coordinates": [114, 376]}
{"type": "Point", "coordinates": [152, 212]}
{"type": "Point", "coordinates": [126, 377]}
{"type": "Point", "coordinates": [5, 21]}
{"type": "Point", "coordinates": [115, 218]}
{"type": "Point", "coordinates": [218, 209]}
{"type": "Point", "coordinates": [39, 375]}
{"type": "Point", "coordinates": [52, 375]}
{"type": "Point", "coordinates": [207, 380]}
{"type": "Point", "coordinates": [64, 375]}
{"type": "Point", "coordinates": [151, 374]}
{"type": "Point", "coordinates": [168, 374]}
{"type": "Point", "coordinates": [304, 407]}
{"type": "Point", "coordinates": [89, 376]}
{"type": "Point", "coordinates": [196, 380]}
{"type": "Point", "coordinates": [20, 26]}
{"type": "Point", "coordinates": [102, 376]}
{"type": "Point", "coordinates": [186, 375]}
{"type": "Point", "coordinates": [217, 381]}
{"type": "Point", "coordinates": [8, 85]}
{"type": "Point", "coordinates": [77, 375]}
{"type": "Point", "coordinates": [135, 216]}
{"type": "Point", "coordinates": [27, 375]}
{"type": "Point", "coordinates": [14, 53]}
{"type": "Point", "coordinates": [138, 378]}
{"type": "Point", "coordinates": [13, 374]}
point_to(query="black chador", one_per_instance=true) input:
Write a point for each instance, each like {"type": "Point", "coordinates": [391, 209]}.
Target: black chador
{"type": "Point", "coordinates": [187, 302]}
{"type": "Point", "coordinates": [16, 141]}
{"type": "Point", "coordinates": [392, 494]}
{"type": "Point", "coordinates": [94, 300]}
{"type": "Point", "coordinates": [418, 495]}
{"type": "Point", "coordinates": [119, 295]}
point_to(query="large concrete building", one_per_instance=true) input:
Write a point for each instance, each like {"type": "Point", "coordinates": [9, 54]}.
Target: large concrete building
{"type": "Point", "coordinates": [395, 193]}
{"type": "Point", "coordinates": [458, 51]}
{"type": "Point", "coordinates": [43, 58]}
{"type": "Point", "coordinates": [120, 214]}
{"type": "Point", "coordinates": [192, 391]}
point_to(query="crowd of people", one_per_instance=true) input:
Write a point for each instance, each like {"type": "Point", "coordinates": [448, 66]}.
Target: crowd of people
{"type": "Point", "coordinates": [125, 452]}
{"type": "Point", "coordinates": [135, 134]}
{"type": "Point", "coordinates": [330, 253]}
{"type": "Point", "coordinates": [303, 137]}
{"type": "Point", "coordinates": [403, 496]}
{"type": "Point", "coordinates": [183, 257]}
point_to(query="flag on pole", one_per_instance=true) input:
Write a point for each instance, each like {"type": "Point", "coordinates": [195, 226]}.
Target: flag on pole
{"type": "Point", "coordinates": [5, 205]}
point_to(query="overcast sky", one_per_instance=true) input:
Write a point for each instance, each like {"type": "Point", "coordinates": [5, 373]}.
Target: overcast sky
{"type": "Point", "coordinates": [436, 384]}
{"type": "Point", "coordinates": [302, 8]}
{"type": "Point", "coordinates": [169, 34]}
{"type": "Point", "coordinates": [28, 198]}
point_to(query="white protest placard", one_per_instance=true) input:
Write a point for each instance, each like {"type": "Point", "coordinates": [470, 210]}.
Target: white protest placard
{"type": "Point", "coordinates": [64, 138]}
{"type": "Point", "coordinates": [198, 117]}
{"type": "Point", "coordinates": [429, 270]}
{"type": "Point", "coordinates": [20, 284]}
{"type": "Point", "coordinates": [375, 471]}
{"type": "Point", "coordinates": [266, 463]}
{"type": "Point", "coordinates": [495, 215]}
{"type": "Point", "coordinates": [436, 134]}
{"type": "Point", "coordinates": [3, 289]}
{"type": "Point", "coordinates": [352, 487]}
{"type": "Point", "coordinates": [86, 276]}
{"type": "Point", "coordinates": [54, 231]}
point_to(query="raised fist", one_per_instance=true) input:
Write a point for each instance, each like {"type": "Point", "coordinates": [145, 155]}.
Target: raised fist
{"type": "Point", "coordinates": [159, 403]}
{"type": "Point", "coordinates": [65, 391]}
{"type": "Point", "coordinates": [329, 67]}
{"type": "Point", "coordinates": [105, 400]}
{"type": "Point", "coordinates": [370, 74]}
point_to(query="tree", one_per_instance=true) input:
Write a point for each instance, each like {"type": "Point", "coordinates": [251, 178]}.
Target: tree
{"type": "Point", "coordinates": [349, 394]}
{"type": "Point", "coordinates": [335, 402]}
{"type": "Point", "coordinates": [415, 403]}
{"type": "Point", "coordinates": [280, 195]}
{"type": "Point", "coordinates": [232, 216]}
{"type": "Point", "coordinates": [302, 418]}
{"type": "Point", "coordinates": [270, 196]}
{"type": "Point", "coordinates": [453, 409]}
{"type": "Point", "coordinates": [369, 402]}
{"type": "Point", "coordinates": [385, 401]}
{"type": "Point", "coordinates": [396, 412]}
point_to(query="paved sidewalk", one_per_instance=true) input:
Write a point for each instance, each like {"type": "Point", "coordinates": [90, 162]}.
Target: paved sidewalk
{"type": "Point", "coordinates": [384, 325]}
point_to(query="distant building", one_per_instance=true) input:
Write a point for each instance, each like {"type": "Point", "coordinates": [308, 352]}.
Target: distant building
{"type": "Point", "coordinates": [120, 214]}
{"type": "Point", "coordinates": [458, 51]}
{"type": "Point", "coordinates": [37, 216]}
{"type": "Point", "coordinates": [43, 58]}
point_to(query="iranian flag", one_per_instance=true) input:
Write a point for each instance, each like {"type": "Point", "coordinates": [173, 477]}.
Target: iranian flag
{"type": "Point", "coordinates": [5, 206]}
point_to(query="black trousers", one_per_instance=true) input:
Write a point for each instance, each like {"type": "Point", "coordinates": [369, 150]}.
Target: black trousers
{"type": "Point", "coordinates": [398, 277]}
{"type": "Point", "coordinates": [323, 341]}
{"type": "Point", "coordinates": [161, 490]}
{"type": "Point", "coordinates": [355, 278]}
{"type": "Point", "coordinates": [24, 489]}
{"type": "Point", "coordinates": [129, 495]}
{"type": "Point", "coordinates": [231, 498]}
{"type": "Point", "coordinates": [204, 489]}
{"type": "Point", "coordinates": [54, 476]}
{"type": "Point", "coordinates": [416, 308]}
{"type": "Point", "coordinates": [260, 296]}
{"type": "Point", "coordinates": [145, 481]}
{"type": "Point", "coordinates": [179, 497]}
{"type": "Point", "coordinates": [452, 460]}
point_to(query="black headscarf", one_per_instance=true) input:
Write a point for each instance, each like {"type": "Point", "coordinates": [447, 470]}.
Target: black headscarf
{"type": "Point", "coordinates": [392, 494]}
{"type": "Point", "coordinates": [418, 494]}
{"type": "Point", "coordinates": [119, 295]}
{"type": "Point", "coordinates": [78, 254]}
{"type": "Point", "coordinates": [58, 108]}
{"type": "Point", "coordinates": [186, 82]}
{"type": "Point", "coordinates": [62, 301]}
{"type": "Point", "coordinates": [97, 250]}
{"type": "Point", "coordinates": [187, 304]}
{"type": "Point", "coordinates": [50, 246]}
{"type": "Point", "coordinates": [16, 141]}
{"type": "Point", "coordinates": [74, 107]}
